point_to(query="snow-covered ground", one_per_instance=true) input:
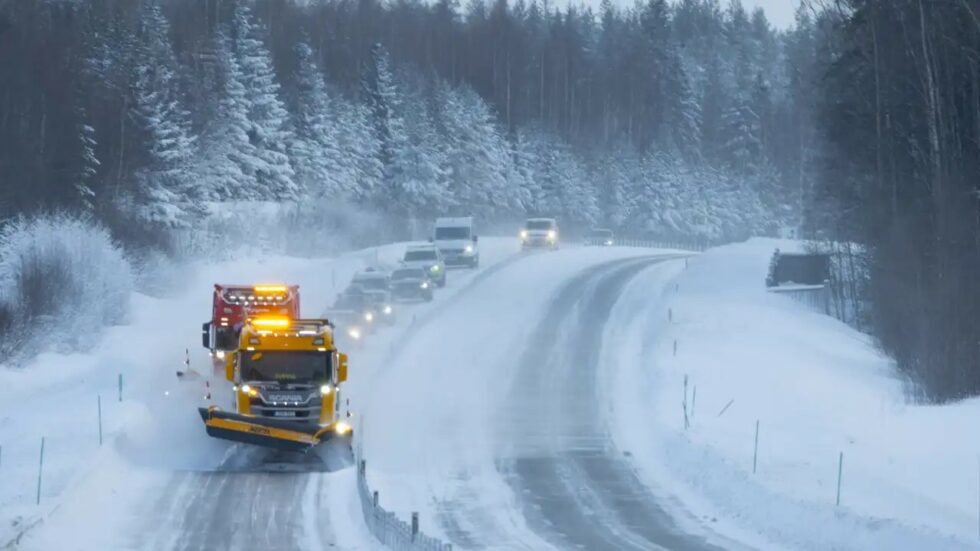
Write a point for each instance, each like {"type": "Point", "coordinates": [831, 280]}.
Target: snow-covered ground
{"type": "Point", "coordinates": [94, 497]}
{"type": "Point", "coordinates": [816, 387]}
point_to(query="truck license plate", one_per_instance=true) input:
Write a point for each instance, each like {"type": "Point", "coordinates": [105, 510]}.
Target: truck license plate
{"type": "Point", "coordinates": [284, 414]}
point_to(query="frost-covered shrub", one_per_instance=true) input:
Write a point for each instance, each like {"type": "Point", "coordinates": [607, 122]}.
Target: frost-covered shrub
{"type": "Point", "coordinates": [63, 279]}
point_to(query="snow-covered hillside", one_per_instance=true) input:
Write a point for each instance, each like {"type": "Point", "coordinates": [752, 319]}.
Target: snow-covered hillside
{"type": "Point", "coordinates": [816, 387]}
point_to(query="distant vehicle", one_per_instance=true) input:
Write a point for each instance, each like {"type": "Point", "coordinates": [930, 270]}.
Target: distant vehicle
{"type": "Point", "coordinates": [411, 284]}
{"type": "Point", "coordinates": [354, 311]}
{"type": "Point", "coordinates": [600, 237]}
{"type": "Point", "coordinates": [376, 286]}
{"type": "Point", "coordinates": [540, 233]}
{"type": "Point", "coordinates": [456, 241]}
{"type": "Point", "coordinates": [428, 258]}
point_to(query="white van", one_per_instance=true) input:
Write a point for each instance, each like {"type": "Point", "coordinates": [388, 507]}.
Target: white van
{"type": "Point", "coordinates": [456, 241]}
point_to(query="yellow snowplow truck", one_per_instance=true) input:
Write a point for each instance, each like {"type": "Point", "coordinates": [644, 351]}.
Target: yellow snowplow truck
{"type": "Point", "coordinates": [286, 378]}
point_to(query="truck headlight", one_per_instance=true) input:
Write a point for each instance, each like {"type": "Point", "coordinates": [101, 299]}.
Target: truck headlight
{"type": "Point", "coordinates": [325, 389]}
{"type": "Point", "coordinates": [523, 234]}
{"type": "Point", "coordinates": [354, 333]}
{"type": "Point", "coordinates": [220, 354]}
{"type": "Point", "coordinates": [435, 268]}
{"type": "Point", "coordinates": [469, 249]}
{"type": "Point", "coordinates": [388, 310]}
{"type": "Point", "coordinates": [609, 242]}
{"type": "Point", "coordinates": [342, 428]}
{"type": "Point", "coordinates": [368, 316]}
{"type": "Point", "coordinates": [424, 285]}
{"type": "Point", "coordinates": [552, 234]}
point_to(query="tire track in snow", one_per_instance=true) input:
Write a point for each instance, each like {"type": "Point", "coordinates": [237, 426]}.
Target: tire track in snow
{"type": "Point", "coordinates": [576, 490]}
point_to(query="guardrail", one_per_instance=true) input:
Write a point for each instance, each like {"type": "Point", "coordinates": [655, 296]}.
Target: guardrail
{"type": "Point", "coordinates": [649, 244]}
{"type": "Point", "coordinates": [386, 527]}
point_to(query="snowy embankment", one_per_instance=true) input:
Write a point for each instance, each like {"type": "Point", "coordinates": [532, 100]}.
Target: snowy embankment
{"type": "Point", "coordinates": [96, 496]}
{"type": "Point", "coordinates": [816, 387]}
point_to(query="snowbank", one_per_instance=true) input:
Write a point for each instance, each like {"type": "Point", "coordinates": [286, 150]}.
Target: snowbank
{"type": "Point", "coordinates": [817, 389]}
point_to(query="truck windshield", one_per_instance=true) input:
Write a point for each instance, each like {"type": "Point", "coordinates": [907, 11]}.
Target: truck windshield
{"type": "Point", "coordinates": [446, 234]}
{"type": "Point", "coordinates": [412, 256]}
{"type": "Point", "coordinates": [286, 366]}
{"type": "Point", "coordinates": [539, 224]}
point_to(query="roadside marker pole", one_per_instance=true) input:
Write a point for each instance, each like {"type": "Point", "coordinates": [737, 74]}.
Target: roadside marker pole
{"type": "Point", "coordinates": [840, 471]}
{"type": "Point", "coordinates": [755, 452]}
{"type": "Point", "coordinates": [100, 419]}
{"type": "Point", "coordinates": [694, 401]}
{"type": "Point", "coordinates": [724, 409]}
{"type": "Point", "coordinates": [684, 404]}
{"type": "Point", "coordinates": [40, 470]}
{"type": "Point", "coordinates": [120, 387]}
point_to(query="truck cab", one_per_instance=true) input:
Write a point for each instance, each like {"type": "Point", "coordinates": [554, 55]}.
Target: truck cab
{"type": "Point", "coordinates": [540, 233]}
{"type": "Point", "coordinates": [455, 239]}
{"type": "Point", "coordinates": [286, 377]}
{"type": "Point", "coordinates": [233, 305]}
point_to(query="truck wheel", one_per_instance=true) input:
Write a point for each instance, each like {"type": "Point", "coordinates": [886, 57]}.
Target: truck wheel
{"type": "Point", "coordinates": [442, 282]}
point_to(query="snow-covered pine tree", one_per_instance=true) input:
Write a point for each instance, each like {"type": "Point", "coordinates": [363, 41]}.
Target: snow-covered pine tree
{"type": "Point", "coordinates": [478, 156]}
{"type": "Point", "coordinates": [164, 192]}
{"type": "Point", "coordinates": [361, 148]}
{"type": "Point", "coordinates": [316, 147]}
{"type": "Point", "coordinates": [228, 158]}
{"type": "Point", "coordinates": [270, 131]}
{"type": "Point", "coordinates": [414, 179]}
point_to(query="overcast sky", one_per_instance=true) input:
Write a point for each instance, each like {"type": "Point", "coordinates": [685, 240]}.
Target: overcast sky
{"type": "Point", "coordinates": [779, 12]}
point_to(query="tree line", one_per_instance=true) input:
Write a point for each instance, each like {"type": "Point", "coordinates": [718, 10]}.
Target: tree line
{"type": "Point", "coordinates": [659, 119]}
{"type": "Point", "coordinates": [898, 169]}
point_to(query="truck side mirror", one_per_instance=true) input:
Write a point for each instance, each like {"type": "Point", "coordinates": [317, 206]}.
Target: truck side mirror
{"type": "Point", "coordinates": [342, 369]}
{"type": "Point", "coordinates": [206, 336]}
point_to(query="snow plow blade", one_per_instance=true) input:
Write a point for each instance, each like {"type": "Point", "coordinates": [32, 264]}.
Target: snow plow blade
{"type": "Point", "coordinates": [269, 433]}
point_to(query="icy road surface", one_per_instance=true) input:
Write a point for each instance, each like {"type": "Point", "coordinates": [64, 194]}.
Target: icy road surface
{"type": "Point", "coordinates": [577, 489]}
{"type": "Point", "coordinates": [488, 422]}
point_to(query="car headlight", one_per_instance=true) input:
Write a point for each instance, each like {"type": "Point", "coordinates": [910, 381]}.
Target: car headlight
{"type": "Point", "coordinates": [523, 234]}
{"type": "Point", "coordinates": [434, 268]}
{"type": "Point", "coordinates": [354, 333]}
{"type": "Point", "coordinates": [388, 310]}
{"type": "Point", "coordinates": [368, 316]}
{"type": "Point", "coordinates": [424, 285]}
{"type": "Point", "coordinates": [325, 389]}
{"type": "Point", "coordinates": [552, 234]}
{"type": "Point", "coordinates": [469, 249]}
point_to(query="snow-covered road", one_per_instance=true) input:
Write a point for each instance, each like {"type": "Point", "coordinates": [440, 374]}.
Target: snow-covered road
{"type": "Point", "coordinates": [576, 489]}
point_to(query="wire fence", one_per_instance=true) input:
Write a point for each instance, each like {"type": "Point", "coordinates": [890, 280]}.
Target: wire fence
{"type": "Point", "coordinates": [387, 528]}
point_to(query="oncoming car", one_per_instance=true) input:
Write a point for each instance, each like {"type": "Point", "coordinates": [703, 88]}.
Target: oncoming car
{"type": "Point", "coordinates": [540, 233]}
{"type": "Point", "coordinates": [600, 237]}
